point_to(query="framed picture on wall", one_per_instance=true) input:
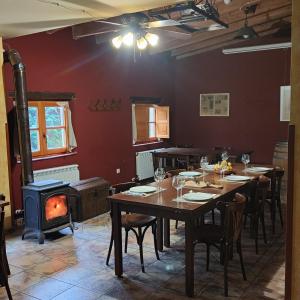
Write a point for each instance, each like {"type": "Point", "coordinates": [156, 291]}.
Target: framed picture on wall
{"type": "Point", "coordinates": [214, 105]}
{"type": "Point", "coordinates": [285, 103]}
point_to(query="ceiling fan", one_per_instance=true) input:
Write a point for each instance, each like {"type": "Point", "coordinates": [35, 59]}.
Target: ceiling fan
{"type": "Point", "coordinates": [176, 21]}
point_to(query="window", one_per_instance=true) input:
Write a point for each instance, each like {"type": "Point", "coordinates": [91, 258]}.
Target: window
{"type": "Point", "coordinates": [150, 122]}
{"type": "Point", "coordinates": [48, 128]}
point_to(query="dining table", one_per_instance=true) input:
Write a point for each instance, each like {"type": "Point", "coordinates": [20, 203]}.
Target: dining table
{"type": "Point", "coordinates": [164, 204]}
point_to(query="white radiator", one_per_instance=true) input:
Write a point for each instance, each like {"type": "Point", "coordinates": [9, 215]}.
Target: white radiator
{"type": "Point", "coordinates": [144, 165]}
{"type": "Point", "coordinates": [68, 173]}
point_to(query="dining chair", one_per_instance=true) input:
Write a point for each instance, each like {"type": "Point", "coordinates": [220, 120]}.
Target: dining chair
{"type": "Point", "coordinates": [274, 196]}
{"type": "Point", "coordinates": [255, 205]}
{"type": "Point", "coordinates": [137, 223]}
{"type": "Point", "coordinates": [4, 268]}
{"type": "Point", "coordinates": [224, 236]}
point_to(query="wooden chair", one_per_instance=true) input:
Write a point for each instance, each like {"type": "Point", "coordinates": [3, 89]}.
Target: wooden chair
{"type": "Point", "coordinates": [174, 172]}
{"type": "Point", "coordinates": [137, 223]}
{"type": "Point", "coordinates": [4, 268]}
{"type": "Point", "coordinates": [225, 235]}
{"type": "Point", "coordinates": [274, 196]}
{"type": "Point", "coordinates": [255, 207]}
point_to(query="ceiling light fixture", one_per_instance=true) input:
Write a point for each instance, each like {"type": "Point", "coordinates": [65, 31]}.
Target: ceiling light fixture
{"type": "Point", "coordinates": [247, 32]}
{"type": "Point", "coordinates": [141, 39]}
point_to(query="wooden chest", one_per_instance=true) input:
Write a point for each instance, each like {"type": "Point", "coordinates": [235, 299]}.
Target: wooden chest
{"type": "Point", "coordinates": [89, 198]}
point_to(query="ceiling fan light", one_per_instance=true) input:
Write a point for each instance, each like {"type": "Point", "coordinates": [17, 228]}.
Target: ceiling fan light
{"type": "Point", "coordinates": [152, 38]}
{"type": "Point", "coordinates": [117, 41]}
{"type": "Point", "coordinates": [142, 43]}
{"type": "Point", "coordinates": [128, 39]}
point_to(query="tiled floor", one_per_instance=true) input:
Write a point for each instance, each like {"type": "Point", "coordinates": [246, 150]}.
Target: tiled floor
{"type": "Point", "coordinates": [73, 267]}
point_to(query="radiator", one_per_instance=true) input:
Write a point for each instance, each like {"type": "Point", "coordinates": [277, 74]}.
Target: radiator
{"type": "Point", "coordinates": [144, 165]}
{"type": "Point", "coordinates": [69, 173]}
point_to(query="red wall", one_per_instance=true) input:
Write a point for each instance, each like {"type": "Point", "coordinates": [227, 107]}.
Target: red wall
{"type": "Point", "coordinates": [253, 81]}
{"type": "Point", "coordinates": [59, 63]}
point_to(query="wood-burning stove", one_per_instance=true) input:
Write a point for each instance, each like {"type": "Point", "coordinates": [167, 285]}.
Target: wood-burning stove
{"type": "Point", "coordinates": [46, 208]}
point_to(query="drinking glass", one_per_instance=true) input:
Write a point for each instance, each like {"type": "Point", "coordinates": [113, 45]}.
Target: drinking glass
{"type": "Point", "coordinates": [159, 176]}
{"type": "Point", "coordinates": [245, 159]}
{"type": "Point", "coordinates": [223, 169]}
{"type": "Point", "coordinates": [204, 163]}
{"type": "Point", "coordinates": [178, 183]}
{"type": "Point", "coordinates": [224, 155]}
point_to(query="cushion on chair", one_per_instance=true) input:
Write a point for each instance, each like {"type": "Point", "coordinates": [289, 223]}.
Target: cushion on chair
{"type": "Point", "coordinates": [135, 220]}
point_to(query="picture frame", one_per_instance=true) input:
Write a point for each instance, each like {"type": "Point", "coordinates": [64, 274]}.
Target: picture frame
{"type": "Point", "coordinates": [214, 105]}
{"type": "Point", "coordinates": [285, 103]}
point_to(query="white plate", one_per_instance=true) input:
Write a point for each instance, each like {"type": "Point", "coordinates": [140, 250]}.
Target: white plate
{"type": "Point", "coordinates": [143, 189]}
{"type": "Point", "coordinates": [258, 169]}
{"type": "Point", "coordinates": [198, 196]}
{"type": "Point", "coordinates": [237, 178]}
{"type": "Point", "coordinates": [190, 173]}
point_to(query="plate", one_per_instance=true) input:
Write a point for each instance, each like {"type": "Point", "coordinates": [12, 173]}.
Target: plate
{"type": "Point", "coordinates": [258, 169]}
{"type": "Point", "coordinates": [237, 178]}
{"type": "Point", "coordinates": [143, 189]}
{"type": "Point", "coordinates": [190, 173]}
{"type": "Point", "coordinates": [198, 196]}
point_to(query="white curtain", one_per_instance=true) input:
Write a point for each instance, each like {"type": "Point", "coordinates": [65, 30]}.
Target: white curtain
{"type": "Point", "coordinates": [134, 129]}
{"type": "Point", "coordinates": [71, 135]}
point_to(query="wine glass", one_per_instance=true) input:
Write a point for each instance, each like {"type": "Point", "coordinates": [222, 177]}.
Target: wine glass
{"type": "Point", "coordinates": [159, 176]}
{"type": "Point", "coordinates": [245, 159]}
{"type": "Point", "coordinates": [224, 155]}
{"type": "Point", "coordinates": [178, 183]}
{"type": "Point", "coordinates": [204, 163]}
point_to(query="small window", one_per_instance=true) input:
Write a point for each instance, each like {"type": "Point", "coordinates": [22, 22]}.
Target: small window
{"type": "Point", "coordinates": [150, 122]}
{"type": "Point", "coordinates": [48, 128]}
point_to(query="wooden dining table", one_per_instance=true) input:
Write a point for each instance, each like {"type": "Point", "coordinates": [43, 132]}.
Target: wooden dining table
{"type": "Point", "coordinates": [164, 205]}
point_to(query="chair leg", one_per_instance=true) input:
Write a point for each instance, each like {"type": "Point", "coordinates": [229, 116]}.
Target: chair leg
{"type": "Point", "coordinates": [155, 240]}
{"type": "Point", "coordinates": [280, 211]}
{"type": "Point", "coordinates": [213, 216]}
{"type": "Point", "coordinates": [110, 247]}
{"type": "Point", "coordinates": [176, 224]}
{"type": "Point", "coordinates": [5, 258]}
{"type": "Point", "coordinates": [273, 214]}
{"type": "Point", "coordinates": [126, 239]}
{"type": "Point", "coordinates": [140, 242]}
{"type": "Point", "coordinates": [262, 219]}
{"type": "Point", "coordinates": [4, 278]}
{"type": "Point", "coordinates": [226, 270]}
{"type": "Point", "coordinates": [207, 256]}
{"type": "Point", "coordinates": [256, 234]}
{"type": "Point", "coordinates": [239, 250]}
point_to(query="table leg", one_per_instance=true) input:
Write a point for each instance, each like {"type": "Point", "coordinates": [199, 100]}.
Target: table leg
{"type": "Point", "coordinates": [159, 234]}
{"type": "Point", "coordinates": [189, 259]}
{"type": "Point", "coordinates": [117, 235]}
{"type": "Point", "coordinates": [167, 232]}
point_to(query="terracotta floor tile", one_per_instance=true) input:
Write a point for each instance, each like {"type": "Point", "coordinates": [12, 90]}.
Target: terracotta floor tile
{"type": "Point", "coordinates": [76, 293]}
{"type": "Point", "coordinates": [23, 280]}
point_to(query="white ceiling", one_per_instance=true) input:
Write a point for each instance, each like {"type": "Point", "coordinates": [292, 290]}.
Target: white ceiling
{"type": "Point", "coordinates": [21, 17]}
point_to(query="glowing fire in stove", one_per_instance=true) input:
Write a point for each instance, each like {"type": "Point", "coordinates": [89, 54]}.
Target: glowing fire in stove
{"type": "Point", "coordinates": [56, 206]}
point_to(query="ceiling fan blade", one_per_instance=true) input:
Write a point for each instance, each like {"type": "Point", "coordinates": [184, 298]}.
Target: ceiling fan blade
{"type": "Point", "coordinates": [110, 23]}
{"type": "Point", "coordinates": [161, 23]}
{"type": "Point", "coordinates": [171, 33]}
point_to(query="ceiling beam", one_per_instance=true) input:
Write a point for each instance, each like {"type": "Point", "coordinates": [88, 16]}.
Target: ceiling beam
{"type": "Point", "coordinates": [263, 21]}
{"type": "Point", "coordinates": [234, 18]}
{"type": "Point", "coordinates": [263, 31]}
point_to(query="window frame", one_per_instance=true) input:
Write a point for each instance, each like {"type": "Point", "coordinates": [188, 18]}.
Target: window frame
{"type": "Point", "coordinates": [42, 128]}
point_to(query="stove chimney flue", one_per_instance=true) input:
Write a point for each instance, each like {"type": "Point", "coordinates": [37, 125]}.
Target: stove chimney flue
{"type": "Point", "coordinates": [13, 57]}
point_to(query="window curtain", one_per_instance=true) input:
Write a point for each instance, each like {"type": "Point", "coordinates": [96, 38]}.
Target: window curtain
{"type": "Point", "coordinates": [71, 135]}
{"type": "Point", "coordinates": [134, 128]}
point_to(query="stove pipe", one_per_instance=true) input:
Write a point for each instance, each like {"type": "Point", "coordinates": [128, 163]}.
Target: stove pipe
{"type": "Point", "coordinates": [14, 58]}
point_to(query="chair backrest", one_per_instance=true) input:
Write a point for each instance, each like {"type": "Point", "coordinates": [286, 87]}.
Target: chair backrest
{"type": "Point", "coordinates": [233, 217]}
{"type": "Point", "coordinates": [122, 187]}
{"type": "Point", "coordinates": [174, 172]}
{"type": "Point", "coordinates": [258, 193]}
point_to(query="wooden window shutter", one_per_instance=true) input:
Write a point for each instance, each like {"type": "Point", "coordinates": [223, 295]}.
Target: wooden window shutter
{"type": "Point", "coordinates": [162, 122]}
{"type": "Point", "coordinates": [142, 122]}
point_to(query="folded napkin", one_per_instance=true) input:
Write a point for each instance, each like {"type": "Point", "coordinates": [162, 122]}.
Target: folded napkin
{"type": "Point", "coordinates": [130, 193]}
